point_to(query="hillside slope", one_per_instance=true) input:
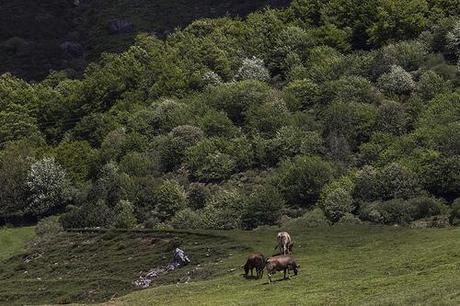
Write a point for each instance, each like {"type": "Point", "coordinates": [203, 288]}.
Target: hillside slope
{"type": "Point", "coordinates": [12, 241]}
{"type": "Point", "coordinates": [352, 265]}
{"type": "Point", "coordinates": [340, 265]}
{"type": "Point", "coordinates": [38, 36]}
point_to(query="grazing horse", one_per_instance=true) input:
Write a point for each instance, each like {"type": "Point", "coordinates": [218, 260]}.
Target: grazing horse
{"type": "Point", "coordinates": [284, 243]}
{"type": "Point", "coordinates": [257, 261]}
{"type": "Point", "coordinates": [280, 263]}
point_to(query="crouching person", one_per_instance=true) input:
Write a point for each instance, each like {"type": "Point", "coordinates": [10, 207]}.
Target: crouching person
{"type": "Point", "coordinates": [280, 263]}
{"type": "Point", "coordinates": [255, 261]}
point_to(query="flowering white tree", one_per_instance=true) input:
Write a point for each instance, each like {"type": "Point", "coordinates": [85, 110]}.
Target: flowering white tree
{"type": "Point", "coordinates": [453, 39]}
{"type": "Point", "coordinates": [211, 78]}
{"type": "Point", "coordinates": [48, 185]}
{"type": "Point", "coordinates": [253, 69]}
{"type": "Point", "coordinates": [397, 81]}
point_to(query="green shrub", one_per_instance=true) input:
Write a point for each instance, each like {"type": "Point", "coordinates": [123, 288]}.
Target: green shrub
{"type": "Point", "coordinates": [396, 211]}
{"type": "Point", "coordinates": [348, 218]}
{"type": "Point", "coordinates": [187, 219]}
{"type": "Point", "coordinates": [431, 84]}
{"type": "Point", "coordinates": [393, 181]}
{"type": "Point", "coordinates": [392, 118]}
{"type": "Point", "coordinates": [264, 206]}
{"type": "Point", "coordinates": [170, 198]}
{"type": "Point", "coordinates": [455, 212]}
{"type": "Point", "coordinates": [49, 226]}
{"type": "Point", "coordinates": [399, 211]}
{"type": "Point", "coordinates": [371, 212]}
{"type": "Point", "coordinates": [124, 215]}
{"type": "Point", "coordinates": [301, 94]}
{"type": "Point", "coordinates": [313, 218]}
{"type": "Point", "coordinates": [197, 195]}
{"type": "Point", "coordinates": [337, 203]}
{"type": "Point", "coordinates": [427, 207]}
{"type": "Point", "coordinates": [90, 214]}
{"type": "Point", "coordinates": [236, 98]}
{"type": "Point", "coordinates": [300, 181]}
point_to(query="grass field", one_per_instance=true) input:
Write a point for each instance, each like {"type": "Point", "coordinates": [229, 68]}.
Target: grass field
{"type": "Point", "coordinates": [340, 265]}
{"type": "Point", "coordinates": [350, 265]}
{"type": "Point", "coordinates": [89, 267]}
{"type": "Point", "coordinates": [13, 240]}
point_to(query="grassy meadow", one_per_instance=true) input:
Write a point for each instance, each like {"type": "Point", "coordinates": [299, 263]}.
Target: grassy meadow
{"type": "Point", "coordinates": [340, 265]}
{"type": "Point", "coordinates": [343, 265]}
{"type": "Point", "coordinates": [12, 241]}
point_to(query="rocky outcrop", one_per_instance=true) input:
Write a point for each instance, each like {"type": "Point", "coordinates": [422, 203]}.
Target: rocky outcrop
{"type": "Point", "coordinates": [120, 26]}
{"type": "Point", "coordinates": [72, 49]}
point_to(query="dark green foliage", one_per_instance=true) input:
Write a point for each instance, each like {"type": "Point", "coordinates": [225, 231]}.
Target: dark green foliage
{"type": "Point", "coordinates": [49, 226]}
{"type": "Point", "coordinates": [235, 99]}
{"type": "Point", "coordinates": [124, 215]}
{"type": "Point", "coordinates": [197, 195]}
{"type": "Point", "coordinates": [398, 20]}
{"type": "Point", "coordinates": [264, 206]}
{"type": "Point", "coordinates": [300, 180]}
{"type": "Point", "coordinates": [398, 211]}
{"type": "Point", "coordinates": [301, 94]}
{"type": "Point", "coordinates": [393, 181]}
{"type": "Point", "coordinates": [170, 198]}
{"type": "Point", "coordinates": [15, 162]}
{"type": "Point", "coordinates": [362, 90]}
{"type": "Point", "coordinates": [90, 214]}
{"type": "Point", "coordinates": [455, 213]}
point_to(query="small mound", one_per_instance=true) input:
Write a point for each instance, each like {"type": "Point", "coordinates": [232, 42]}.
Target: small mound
{"type": "Point", "coordinates": [91, 267]}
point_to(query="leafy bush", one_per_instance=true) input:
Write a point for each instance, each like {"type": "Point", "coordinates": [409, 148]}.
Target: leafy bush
{"type": "Point", "coordinates": [300, 180]}
{"type": "Point", "coordinates": [49, 226]}
{"type": "Point", "coordinates": [394, 211]}
{"type": "Point", "coordinates": [236, 98]}
{"type": "Point", "coordinates": [337, 203]}
{"type": "Point", "coordinates": [301, 94]}
{"type": "Point", "coordinates": [197, 195]}
{"type": "Point", "coordinates": [313, 218]}
{"type": "Point", "coordinates": [455, 212]}
{"type": "Point", "coordinates": [431, 84]}
{"type": "Point", "coordinates": [187, 219]}
{"type": "Point", "coordinates": [453, 39]}
{"type": "Point", "coordinates": [427, 207]}
{"type": "Point", "coordinates": [348, 218]}
{"type": "Point", "coordinates": [170, 198]}
{"type": "Point", "coordinates": [392, 118]}
{"type": "Point", "coordinates": [124, 215]}
{"type": "Point", "coordinates": [264, 206]}
{"type": "Point", "coordinates": [90, 214]}
{"type": "Point", "coordinates": [393, 181]}
{"type": "Point", "coordinates": [399, 211]}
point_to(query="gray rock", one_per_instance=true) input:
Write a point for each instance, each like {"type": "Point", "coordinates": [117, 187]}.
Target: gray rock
{"type": "Point", "coordinates": [120, 26]}
{"type": "Point", "coordinates": [72, 49]}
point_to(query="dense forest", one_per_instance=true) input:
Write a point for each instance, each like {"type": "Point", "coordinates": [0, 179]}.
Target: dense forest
{"type": "Point", "coordinates": [338, 111]}
{"type": "Point", "coordinates": [39, 36]}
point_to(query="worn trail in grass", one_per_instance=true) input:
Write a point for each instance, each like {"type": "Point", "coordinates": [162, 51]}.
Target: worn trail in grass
{"type": "Point", "coordinates": [346, 265]}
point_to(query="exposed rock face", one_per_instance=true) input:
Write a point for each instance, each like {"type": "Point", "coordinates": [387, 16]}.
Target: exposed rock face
{"type": "Point", "coordinates": [120, 26]}
{"type": "Point", "coordinates": [72, 49]}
